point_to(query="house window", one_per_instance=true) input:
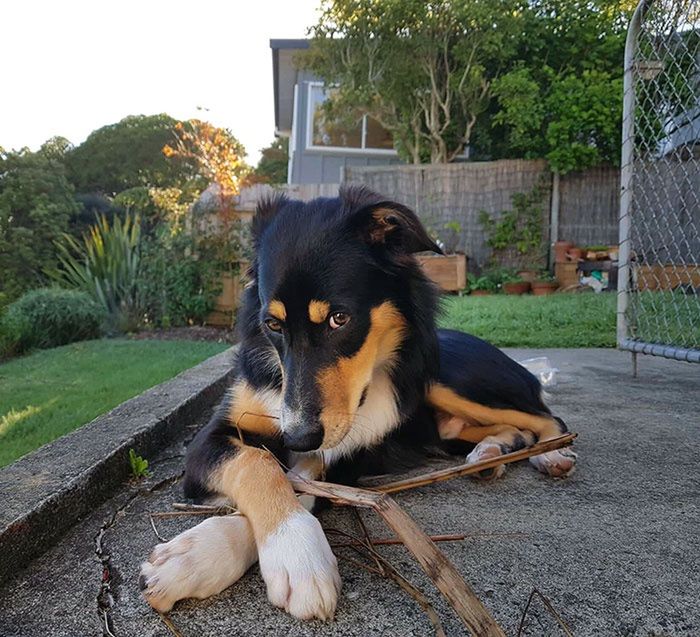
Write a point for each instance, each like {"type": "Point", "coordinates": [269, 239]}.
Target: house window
{"type": "Point", "coordinates": [357, 132]}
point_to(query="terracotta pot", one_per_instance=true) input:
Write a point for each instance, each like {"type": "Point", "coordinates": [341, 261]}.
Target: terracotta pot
{"type": "Point", "coordinates": [542, 288]}
{"type": "Point", "coordinates": [574, 254]}
{"type": "Point", "coordinates": [516, 287]}
{"type": "Point", "coordinates": [481, 293]}
{"type": "Point", "coordinates": [528, 275]}
{"type": "Point", "coordinates": [560, 250]}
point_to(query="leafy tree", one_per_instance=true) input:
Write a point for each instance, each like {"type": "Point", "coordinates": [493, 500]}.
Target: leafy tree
{"type": "Point", "coordinates": [124, 155]}
{"type": "Point", "coordinates": [420, 68]}
{"type": "Point", "coordinates": [561, 98]}
{"type": "Point", "coordinates": [214, 154]}
{"type": "Point", "coordinates": [272, 167]}
{"type": "Point", "coordinates": [508, 78]}
{"type": "Point", "coordinates": [36, 202]}
{"type": "Point", "coordinates": [573, 121]}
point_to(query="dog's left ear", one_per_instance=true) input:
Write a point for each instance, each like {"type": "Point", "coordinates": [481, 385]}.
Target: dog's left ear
{"type": "Point", "coordinates": [265, 212]}
{"type": "Point", "coordinates": [395, 226]}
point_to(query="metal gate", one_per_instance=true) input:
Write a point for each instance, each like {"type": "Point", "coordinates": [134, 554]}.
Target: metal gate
{"type": "Point", "coordinates": [659, 276]}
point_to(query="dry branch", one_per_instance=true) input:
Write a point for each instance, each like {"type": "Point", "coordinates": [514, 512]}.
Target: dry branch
{"type": "Point", "coordinates": [439, 569]}
{"type": "Point", "coordinates": [466, 469]}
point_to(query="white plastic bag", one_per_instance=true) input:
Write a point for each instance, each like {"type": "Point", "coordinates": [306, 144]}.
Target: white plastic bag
{"type": "Point", "coordinates": [541, 368]}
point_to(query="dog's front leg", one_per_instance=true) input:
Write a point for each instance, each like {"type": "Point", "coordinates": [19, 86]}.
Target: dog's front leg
{"type": "Point", "coordinates": [296, 562]}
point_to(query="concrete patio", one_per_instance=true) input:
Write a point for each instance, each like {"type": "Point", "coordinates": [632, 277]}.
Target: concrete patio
{"type": "Point", "coordinates": [616, 547]}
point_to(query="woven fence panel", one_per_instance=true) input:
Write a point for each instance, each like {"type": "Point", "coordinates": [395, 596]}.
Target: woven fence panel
{"type": "Point", "coordinates": [590, 206]}
{"type": "Point", "coordinates": [449, 197]}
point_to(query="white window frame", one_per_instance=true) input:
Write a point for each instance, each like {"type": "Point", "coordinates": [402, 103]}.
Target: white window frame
{"type": "Point", "coordinates": [338, 150]}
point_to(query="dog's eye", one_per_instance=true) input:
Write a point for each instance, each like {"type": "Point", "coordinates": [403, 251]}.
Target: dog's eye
{"type": "Point", "coordinates": [338, 319]}
{"type": "Point", "coordinates": [273, 324]}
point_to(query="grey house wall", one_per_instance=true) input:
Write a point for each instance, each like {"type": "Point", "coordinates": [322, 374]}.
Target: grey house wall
{"type": "Point", "coordinates": [322, 166]}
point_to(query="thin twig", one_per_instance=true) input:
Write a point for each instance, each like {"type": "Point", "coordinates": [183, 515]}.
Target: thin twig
{"type": "Point", "coordinates": [389, 571]}
{"type": "Point", "coordinates": [169, 624]}
{"type": "Point", "coordinates": [549, 607]}
{"type": "Point", "coordinates": [107, 630]}
{"type": "Point", "coordinates": [155, 530]}
{"type": "Point", "coordinates": [367, 567]}
{"type": "Point", "coordinates": [180, 514]}
{"type": "Point", "coordinates": [368, 540]}
{"type": "Point", "coordinates": [202, 509]}
{"type": "Point", "coordinates": [394, 540]}
{"type": "Point", "coordinates": [465, 469]}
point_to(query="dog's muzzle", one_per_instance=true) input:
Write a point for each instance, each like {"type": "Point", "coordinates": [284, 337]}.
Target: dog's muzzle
{"type": "Point", "coordinates": [301, 432]}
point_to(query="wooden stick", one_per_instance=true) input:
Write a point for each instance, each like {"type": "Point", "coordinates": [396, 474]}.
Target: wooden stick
{"type": "Point", "coordinates": [394, 540]}
{"type": "Point", "coordinates": [465, 469]}
{"type": "Point", "coordinates": [439, 569]}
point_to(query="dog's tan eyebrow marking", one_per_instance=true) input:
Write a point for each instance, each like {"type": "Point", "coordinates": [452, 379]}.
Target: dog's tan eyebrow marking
{"type": "Point", "coordinates": [318, 311]}
{"type": "Point", "coordinates": [277, 309]}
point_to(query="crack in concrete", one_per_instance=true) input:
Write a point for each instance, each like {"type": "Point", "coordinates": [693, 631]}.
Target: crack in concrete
{"type": "Point", "coordinates": [107, 596]}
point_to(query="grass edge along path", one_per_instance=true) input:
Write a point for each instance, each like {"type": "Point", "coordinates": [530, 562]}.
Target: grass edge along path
{"type": "Point", "coordinates": [49, 393]}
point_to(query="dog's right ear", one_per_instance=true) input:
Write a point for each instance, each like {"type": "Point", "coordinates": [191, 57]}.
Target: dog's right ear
{"type": "Point", "coordinates": [265, 212]}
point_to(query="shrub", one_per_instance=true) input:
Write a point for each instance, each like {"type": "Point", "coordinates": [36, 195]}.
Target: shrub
{"type": "Point", "coordinates": [36, 202]}
{"type": "Point", "coordinates": [105, 266]}
{"type": "Point", "coordinates": [49, 317]}
{"type": "Point", "coordinates": [176, 285]}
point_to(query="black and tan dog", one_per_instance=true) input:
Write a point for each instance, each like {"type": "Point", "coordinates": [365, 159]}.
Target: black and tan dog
{"type": "Point", "coordinates": [340, 366]}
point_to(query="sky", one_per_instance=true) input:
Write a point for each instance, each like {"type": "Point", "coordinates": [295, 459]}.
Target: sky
{"type": "Point", "coordinates": [71, 66]}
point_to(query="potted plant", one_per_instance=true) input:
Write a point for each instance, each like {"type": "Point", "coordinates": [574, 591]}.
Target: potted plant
{"type": "Point", "coordinates": [544, 284]}
{"type": "Point", "coordinates": [529, 273]}
{"type": "Point", "coordinates": [514, 284]}
{"type": "Point", "coordinates": [483, 286]}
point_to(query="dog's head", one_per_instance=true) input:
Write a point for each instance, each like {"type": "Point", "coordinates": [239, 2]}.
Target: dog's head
{"type": "Point", "coordinates": [334, 280]}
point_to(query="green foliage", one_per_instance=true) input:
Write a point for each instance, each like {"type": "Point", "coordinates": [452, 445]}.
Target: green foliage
{"type": "Point", "coordinates": [516, 235]}
{"type": "Point", "coordinates": [506, 77]}
{"type": "Point", "coordinates": [105, 264]}
{"type": "Point", "coordinates": [586, 119]}
{"type": "Point", "coordinates": [561, 98]}
{"type": "Point", "coordinates": [125, 155]}
{"type": "Point", "coordinates": [484, 283]}
{"type": "Point", "coordinates": [545, 276]}
{"type": "Point", "coordinates": [176, 286]}
{"type": "Point", "coordinates": [522, 111]}
{"type": "Point", "coordinates": [573, 120]}
{"type": "Point", "coordinates": [139, 466]}
{"type": "Point", "coordinates": [48, 317]}
{"type": "Point", "coordinates": [419, 68]}
{"type": "Point", "coordinates": [36, 202]}
{"type": "Point", "coordinates": [272, 167]}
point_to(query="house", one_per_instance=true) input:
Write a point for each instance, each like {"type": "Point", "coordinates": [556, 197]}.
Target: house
{"type": "Point", "coordinates": [320, 150]}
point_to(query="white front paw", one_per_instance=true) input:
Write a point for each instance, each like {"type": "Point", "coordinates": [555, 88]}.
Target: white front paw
{"type": "Point", "coordinates": [300, 569]}
{"type": "Point", "coordinates": [200, 562]}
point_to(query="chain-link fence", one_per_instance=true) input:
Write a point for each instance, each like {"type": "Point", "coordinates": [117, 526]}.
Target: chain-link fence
{"type": "Point", "coordinates": [659, 279]}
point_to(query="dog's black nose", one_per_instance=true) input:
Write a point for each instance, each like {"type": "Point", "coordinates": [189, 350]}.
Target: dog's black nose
{"type": "Point", "coordinates": [303, 438]}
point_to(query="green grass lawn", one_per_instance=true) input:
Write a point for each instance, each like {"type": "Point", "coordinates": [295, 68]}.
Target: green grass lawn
{"type": "Point", "coordinates": [51, 392]}
{"type": "Point", "coordinates": [558, 320]}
